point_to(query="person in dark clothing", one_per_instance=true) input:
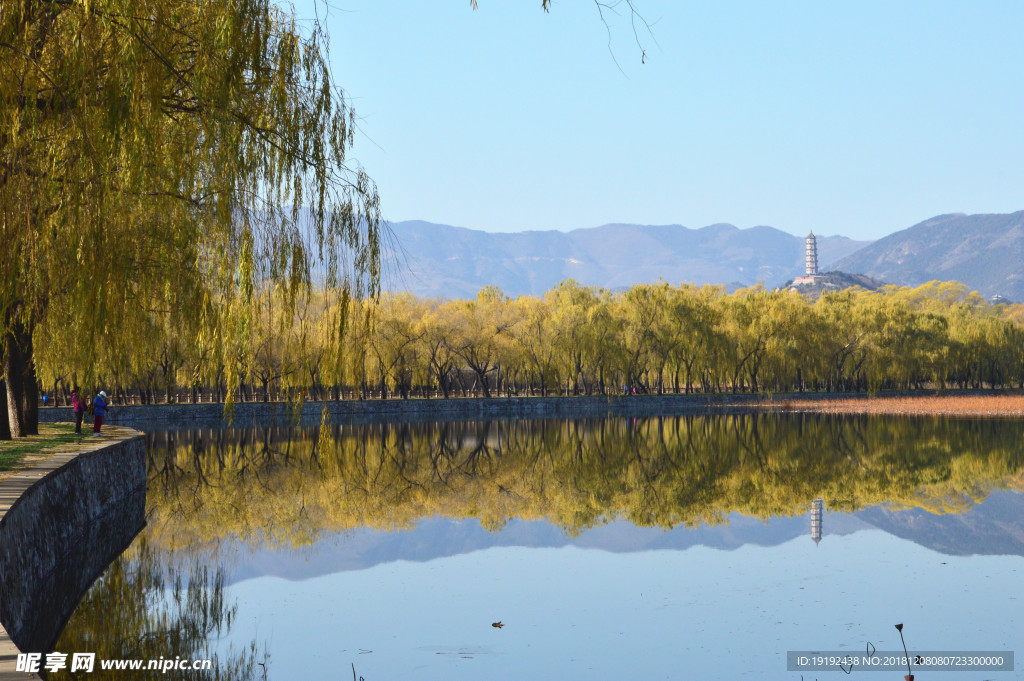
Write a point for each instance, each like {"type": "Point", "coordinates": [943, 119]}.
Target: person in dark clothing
{"type": "Point", "coordinates": [99, 408]}
{"type": "Point", "coordinates": [79, 406]}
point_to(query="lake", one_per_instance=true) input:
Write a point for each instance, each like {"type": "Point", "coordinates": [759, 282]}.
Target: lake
{"type": "Point", "coordinates": [702, 547]}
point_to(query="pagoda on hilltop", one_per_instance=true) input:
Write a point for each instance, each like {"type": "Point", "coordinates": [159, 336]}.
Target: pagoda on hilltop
{"type": "Point", "coordinates": [811, 274]}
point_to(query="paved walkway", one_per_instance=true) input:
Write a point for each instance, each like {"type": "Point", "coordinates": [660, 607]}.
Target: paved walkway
{"type": "Point", "coordinates": [11, 489]}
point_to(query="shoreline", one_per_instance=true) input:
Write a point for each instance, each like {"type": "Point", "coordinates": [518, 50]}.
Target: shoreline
{"type": "Point", "coordinates": [924, 403]}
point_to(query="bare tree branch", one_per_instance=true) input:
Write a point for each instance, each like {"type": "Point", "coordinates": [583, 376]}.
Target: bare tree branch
{"type": "Point", "coordinates": [636, 20]}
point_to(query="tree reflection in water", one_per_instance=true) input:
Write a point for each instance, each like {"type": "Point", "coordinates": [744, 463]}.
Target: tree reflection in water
{"type": "Point", "coordinates": [290, 486]}
{"type": "Point", "coordinates": [148, 608]}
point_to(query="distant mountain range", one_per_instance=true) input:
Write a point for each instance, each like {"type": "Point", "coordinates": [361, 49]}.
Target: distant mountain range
{"type": "Point", "coordinates": [985, 252]}
{"type": "Point", "coordinates": [452, 262]}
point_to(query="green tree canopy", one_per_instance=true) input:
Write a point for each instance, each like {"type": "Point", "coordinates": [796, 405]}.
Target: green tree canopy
{"type": "Point", "coordinates": [164, 159]}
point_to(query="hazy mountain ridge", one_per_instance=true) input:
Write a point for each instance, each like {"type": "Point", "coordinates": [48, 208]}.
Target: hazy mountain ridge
{"type": "Point", "coordinates": [994, 527]}
{"type": "Point", "coordinates": [984, 251]}
{"type": "Point", "coordinates": [444, 261]}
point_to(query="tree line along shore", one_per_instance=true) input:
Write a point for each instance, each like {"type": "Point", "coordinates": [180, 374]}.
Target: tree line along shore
{"type": "Point", "coordinates": [573, 340]}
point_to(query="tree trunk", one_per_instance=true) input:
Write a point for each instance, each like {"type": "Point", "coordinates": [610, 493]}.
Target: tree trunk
{"type": "Point", "coordinates": [22, 388]}
{"type": "Point", "coordinates": [5, 426]}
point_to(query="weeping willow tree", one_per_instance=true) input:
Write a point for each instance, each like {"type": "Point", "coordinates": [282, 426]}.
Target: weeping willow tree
{"type": "Point", "coordinates": [161, 163]}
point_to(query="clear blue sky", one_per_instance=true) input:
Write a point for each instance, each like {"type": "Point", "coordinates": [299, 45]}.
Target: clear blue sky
{"type": "Point", "coordinates": [855, 118]}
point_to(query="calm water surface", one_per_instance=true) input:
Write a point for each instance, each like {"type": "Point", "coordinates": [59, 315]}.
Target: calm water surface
{"type": "Point", "coordinates": [669, 548]}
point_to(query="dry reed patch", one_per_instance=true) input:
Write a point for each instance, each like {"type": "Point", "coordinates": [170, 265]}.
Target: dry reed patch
{"type": "Point", "coordinates": [938, 405]}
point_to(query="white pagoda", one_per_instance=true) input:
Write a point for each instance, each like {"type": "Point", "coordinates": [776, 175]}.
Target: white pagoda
{"type": "Point", "coordinates": [811, 273]}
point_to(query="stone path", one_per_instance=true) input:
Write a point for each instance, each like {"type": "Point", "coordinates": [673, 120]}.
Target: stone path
{"type": "Point", "coordinates": [11, 488]}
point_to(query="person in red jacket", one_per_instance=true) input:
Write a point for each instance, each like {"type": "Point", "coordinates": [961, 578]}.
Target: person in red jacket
{"type": "Point", "coordinates": [79, 406]}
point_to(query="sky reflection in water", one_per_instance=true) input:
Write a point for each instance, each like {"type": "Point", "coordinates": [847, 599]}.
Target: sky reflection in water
{"type": "Point", "coordinates": [394, 548]}
{"type": "Point", "coordinates": [590, 613]}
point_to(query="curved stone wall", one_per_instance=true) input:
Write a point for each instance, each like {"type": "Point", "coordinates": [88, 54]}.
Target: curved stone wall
{"type": "Point", "coordinates": [60, 535]}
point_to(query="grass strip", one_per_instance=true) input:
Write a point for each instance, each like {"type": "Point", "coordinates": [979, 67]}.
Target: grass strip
{"type": "Point", "coordinates": [51, 435]}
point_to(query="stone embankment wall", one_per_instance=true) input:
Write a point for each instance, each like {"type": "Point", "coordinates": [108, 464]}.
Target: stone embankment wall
{"type": "Point", "coordinates": [62, 532]}
{"type": "Point", "coordinates": [371, 411]}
